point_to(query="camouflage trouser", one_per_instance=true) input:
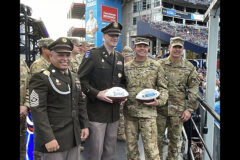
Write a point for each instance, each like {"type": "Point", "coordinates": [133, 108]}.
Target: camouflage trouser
{"type": "Point", "coordinates": [37, 155]}
{"type": "Point", "coordinates": [148, 129]}
{"type": "Point", "coordinates": [121, 122]}
{"type": "Point", "coordinates": [22, 139]}
{"type": "Point", "coordinates": [174, 125]}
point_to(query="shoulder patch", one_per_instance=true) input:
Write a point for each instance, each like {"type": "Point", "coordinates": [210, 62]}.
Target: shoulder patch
{"type": "Point", "coordinates": [87, 54]}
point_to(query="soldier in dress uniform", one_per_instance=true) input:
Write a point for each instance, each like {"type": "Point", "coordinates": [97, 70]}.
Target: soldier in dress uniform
{"type": "Point", "coordinates": [24, 105]}
{"type": "Point", "coordinates": [183, 90]}
{"type": "Point", "coordinates": [57, 106]}
{"type": "Point", "coordinates": [142, 73]}
{"type": "Point", "coordinates": [43, 62]}
{"type": "Point", "coordinates": [101, 69]}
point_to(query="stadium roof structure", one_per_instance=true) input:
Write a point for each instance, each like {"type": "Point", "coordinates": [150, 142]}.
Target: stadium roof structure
{"type": "Point", "coordinates": [77, 10]}
{"type": "Point", "coordinates": [189, 3]}
{"type": "Point", "coordinates": [77, 32]}
{"type": "Point", "coordinates": [214, 5]}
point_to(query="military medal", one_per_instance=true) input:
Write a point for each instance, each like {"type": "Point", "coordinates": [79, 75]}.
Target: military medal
{"type": "Point", "coordinates": [58, 83]}
{"type": "Point", "coordinates": [119, 75]}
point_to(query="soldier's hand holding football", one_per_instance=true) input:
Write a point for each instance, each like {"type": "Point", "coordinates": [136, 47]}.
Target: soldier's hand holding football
{"type": "Point", "coordinates": [101, 96]}
{"type": "Point", "coordinates": [153, 103]}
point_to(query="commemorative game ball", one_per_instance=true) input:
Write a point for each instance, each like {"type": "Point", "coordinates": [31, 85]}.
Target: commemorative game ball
{"type": "Point", "coordinates": [147, 95]}
{"type": "Point", "coordinates": [117, 94]}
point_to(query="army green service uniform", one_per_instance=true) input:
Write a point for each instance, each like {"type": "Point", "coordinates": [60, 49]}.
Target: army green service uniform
{"type": "Point", "coordinates": [99, 71]}
{"type": "Point", "coordinates": [182, 76]}
{"type": "Point", "coordinates": [37, 66]}
{"type": "Point", "coordinates": [57, 106]}
{"type": "Point", "coordinates": [140, 118]}
{"type": "Point", "coordinates": [24, 101]}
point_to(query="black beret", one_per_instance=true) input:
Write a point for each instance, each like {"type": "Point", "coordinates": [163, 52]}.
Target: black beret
{"type": "Point", "coordinates": [113, 27]}
{"type": "Point", "coordinates": [61, 45]}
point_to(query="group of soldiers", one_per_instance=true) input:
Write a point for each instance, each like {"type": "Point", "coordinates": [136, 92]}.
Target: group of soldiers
{"type": "Point", "coordinates": [174, 77]}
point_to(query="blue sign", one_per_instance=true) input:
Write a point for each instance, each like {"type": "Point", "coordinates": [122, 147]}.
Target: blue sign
{"type": "Point", "coordinates": [168, 12]}
{"type": "Point", "coordinates": [99, 14]}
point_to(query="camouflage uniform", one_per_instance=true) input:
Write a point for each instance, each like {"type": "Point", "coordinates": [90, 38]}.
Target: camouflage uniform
{"type": "Point", "coordinates": [121, 126]}
{"type": "Point", "coordinates": [140, 118]}
{"type": "Point", "coordinates": [75, 63]}
{"type": "Point", "coordinates": [181, 76]}
{"type": "Point", "coordinates": [24, 101]}
{"type": "Point", "coordinates": [39, 65]}
{"type": "Point", "coordinates": [126, 52]}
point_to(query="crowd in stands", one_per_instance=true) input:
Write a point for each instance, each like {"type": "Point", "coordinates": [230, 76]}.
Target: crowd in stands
{"type": "Point", "coordinates": [203, 2]}
{"type": "Point", "coordinates": [189, 33]}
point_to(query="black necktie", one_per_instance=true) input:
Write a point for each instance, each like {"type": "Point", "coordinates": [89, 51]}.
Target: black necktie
{"type": "Point", "coordinates": [111, 56]}
{"type": "Point", "coordinates": [67, 76]}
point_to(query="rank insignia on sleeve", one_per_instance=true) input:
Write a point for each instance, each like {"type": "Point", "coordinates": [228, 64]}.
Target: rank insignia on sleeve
{"type": "Point", "coordinates": [87, 54]}
{"type": "Point", "coordinates": [34, 99]}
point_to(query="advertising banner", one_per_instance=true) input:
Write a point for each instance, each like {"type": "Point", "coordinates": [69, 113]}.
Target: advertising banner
{"type": "Point", "coordinates": [168, 12]}
{"type": "Point", "coordinates": [99, 14]}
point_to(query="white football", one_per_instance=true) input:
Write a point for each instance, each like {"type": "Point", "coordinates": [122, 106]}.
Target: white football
{"type": "Point", "coordinates": [117, 94]}
{"type": "Point", "coordinates": [147, 95]}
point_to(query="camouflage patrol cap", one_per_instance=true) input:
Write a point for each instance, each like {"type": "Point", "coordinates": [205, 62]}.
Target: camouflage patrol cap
{"type": "Point", "coordinates": [177, 41]}
{"type": "Point", "coordinates": [127, 49]}
{"type": "Point", "coordinates": [85, 43]}
{"type": "Point", "coordinates": [128, 54]}
{"type": "Point", "coordinates": [141, 40]}
{"type": "Point", "coordinates": [61, 45]}
{"type": "Point", "coordinates": [91, 44]}
{"type": "Point", "coordinates": [74, 41]}
{"type": "Point", "coordinates": [113, 28]}
{"type": "Point", "coordinates": [44, 42]}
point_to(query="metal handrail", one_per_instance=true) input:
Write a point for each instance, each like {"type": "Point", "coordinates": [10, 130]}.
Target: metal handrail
{"type": "Point", "coordinates": [201, 139]}
{"type": "Point", "coordinates": [209, 109]}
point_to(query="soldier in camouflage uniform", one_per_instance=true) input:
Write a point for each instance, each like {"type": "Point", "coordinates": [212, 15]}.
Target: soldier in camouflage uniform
{"type": "Point", "coordinates": [24, 105]}
{"type": "Point", "coordinates": [183, 84]}
{"type": "Point", "coordinates": [84, 47]}
{"type": "Point", "coordinates": [74, 65]}
{"type": "Point", "coordinates": [43, 62]}
{"type": "Point", "coordinates": [142, 73]}
{"type": "Point", "coordinates": [127, 54]}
